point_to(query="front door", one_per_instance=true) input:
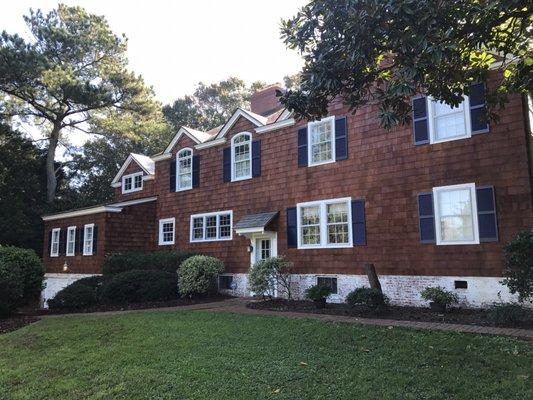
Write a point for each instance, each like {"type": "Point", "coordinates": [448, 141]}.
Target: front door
{"type": "Point", "coordinates": [264, 246]}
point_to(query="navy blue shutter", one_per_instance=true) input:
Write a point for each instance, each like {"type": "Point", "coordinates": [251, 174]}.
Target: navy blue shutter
{"type": "Point", "coordinates": [302, 147]}
{"type": "Point", "coordinates": [420, 120]}
{"type": "Point", "coordinates": [49, 242]}
{"type": "Point", "coordinates": [95, 239]}
{"type": "Point", "coordinates": [227, 164]}
{"type": "Point", "coordinates": [76, 240]}
{"type": "Point", "coordinates": [358, 222]}
{"type": "Point", "coordinates": [256, 158]}
{"type": "Point", "coordinates": [292, 229]}
{"type": "Point", "coordinates": [80, 237]}
{"type": "Point", "coordinates": [172, 175]}
{"type": "Point", "coordinates": [486, 214]}
{"type": "Point", "coordinates": [195, 171]}
{"type": "Point", "coordinates": [341, 139]}
{"type": "Point", "coordinates": [478, 109]}
{"type": "Point", "coordinates": [62, 240]}
{"type": "Point", "coordinates": [426, 216]}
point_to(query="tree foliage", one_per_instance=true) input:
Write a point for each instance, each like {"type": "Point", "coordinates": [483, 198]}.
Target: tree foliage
{"type": "Point", "coordinates": [383, 52]}
{"type": "Point", "coordinates": [518, 272]}
{"type": "Point", "coordinates": [72, 70]}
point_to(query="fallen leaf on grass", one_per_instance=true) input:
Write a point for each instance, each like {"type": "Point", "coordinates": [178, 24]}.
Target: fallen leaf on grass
{"type": "Point", "coordinates": [303, 364]}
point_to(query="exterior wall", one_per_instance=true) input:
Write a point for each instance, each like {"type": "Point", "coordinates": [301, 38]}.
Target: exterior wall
{"type": "Point", "coordinates": [147, 190]}
{"type": "Point", "coordinates": [77, 264]}
{"type": "Point", "coordinates": [135, 228]}
{"type": "Point", "coordinates": [55, 282]}
{"type": "Point", "coordinates": [401, 289]}
{"type": "Point", "coordinates": [384, 168]}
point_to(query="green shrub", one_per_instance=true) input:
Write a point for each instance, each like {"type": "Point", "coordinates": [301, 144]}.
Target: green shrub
{"type": "Point", "coordinates": [506, 314]}
{"type": "Point", "coordinates": [439, 295]}
{"type": "Point", "coordinates": [168, 261]}
{"type": "Point", "coordinates": [271, 274]}
{"type": "Point", "coordinates": [30, 266]}
{"type": "Point", "coordinates": [78, 295]}
{"type": "Point", "coordinates": [198, 275]}
{"type": "Point", "coordinates": [518, 272]}
{"type": "Point", "coordinates": [369, 297]}
{"type": "Point", "coordinates": [11, 287]}
{"type": "Point", "coordinates": [139, 286]}
{"type": "Point", "coordinates": [318, 292]}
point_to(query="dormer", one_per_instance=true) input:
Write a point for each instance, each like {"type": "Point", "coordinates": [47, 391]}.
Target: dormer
{"type": "Point", "coordinates": [136, 170]}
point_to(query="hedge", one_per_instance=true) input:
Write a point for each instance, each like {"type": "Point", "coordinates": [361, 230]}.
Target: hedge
{"type": "Point", "coordinates": [11, 288]}
{"type": "Point", "coordinates": [168, 261]}
{"type": "Point", "coordinates": [139, 286]}
{"type": "Point", "coordinates": [31, 267]}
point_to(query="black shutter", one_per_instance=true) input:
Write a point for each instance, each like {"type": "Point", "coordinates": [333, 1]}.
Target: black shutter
{"type": "Point", "coordinates": [95, 239]}
{"type": "Point", "coordinates": [49, 242]}
{"type": "Point", "coordinates": [195, 171]}
{"type": "Point", "coordinates": [76, 239]}
{"type": "Point", "coordinates": [302, 147]}
{"type": "Point", "coordinates": [486, 214]}
{"type": "Point", "coordinates": [227, 164]}
{"type": "Point", "coordinates": [478, 109]}
{"type": "Point", "coordinates": [341, 139]}
{"type": "Point", "coordinates": [292, 229]}
{"type": "Point", "coordinates": [426, 216]}
{"type": "Point", "coordinates": [172, 175]}
{"type": "Point", "coordinates": [80, 237]}
{"type": "Point", "coordinates": [358, 222]}
{"type": "Point", "coordinates": [420, 120]}
{"type": "Point", "coordinates": [256, 158]}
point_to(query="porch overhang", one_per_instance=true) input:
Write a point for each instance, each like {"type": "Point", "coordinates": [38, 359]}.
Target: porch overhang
{"type": "Point", "coordinates": [256, 223]}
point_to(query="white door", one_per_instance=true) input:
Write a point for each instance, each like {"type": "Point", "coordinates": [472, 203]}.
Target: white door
{"type": "Point", "coordinates": [264, 246]}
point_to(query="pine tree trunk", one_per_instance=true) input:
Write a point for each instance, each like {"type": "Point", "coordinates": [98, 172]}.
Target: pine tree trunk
{"type": "Point", "coordinates": [51, 180]}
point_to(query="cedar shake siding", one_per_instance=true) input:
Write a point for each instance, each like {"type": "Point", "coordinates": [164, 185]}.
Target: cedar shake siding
{"type": "Point", "coordinates": [389, 177]}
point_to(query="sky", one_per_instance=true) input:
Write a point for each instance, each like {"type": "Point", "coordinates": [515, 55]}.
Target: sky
{"type": "Point", "coordinates": [176, 44]}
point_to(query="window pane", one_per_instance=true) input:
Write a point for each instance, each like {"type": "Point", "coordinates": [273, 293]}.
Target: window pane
{"type": "Point", "coordinates": [456, 219]}
{"type": "Point", "coordinates": [311, 235]}
{"type": "Point", "coordinates": [198, 228]}
{"type": "Point", "coordinates": [224, 226]}
{"type": "Point", "coordinates": [337, 212]}
{"type": "Point", "coordinates": [321, 142]}
{"type": "Point", "coordinates": [241, 157]}
{"type": "Point", "coordinates": [138, 181]}
{"type": "Point", "coordinates": [310, 215]}
{"type": "Point", "coordinates": [211, 227]}
{"type": "Point", "coordinates": [449, 121]}
{"type": "Point", "coordinates": [127, 183]}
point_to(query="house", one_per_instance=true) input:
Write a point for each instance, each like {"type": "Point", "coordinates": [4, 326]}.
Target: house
{"type": "Point", "coordinates": [428, 204]}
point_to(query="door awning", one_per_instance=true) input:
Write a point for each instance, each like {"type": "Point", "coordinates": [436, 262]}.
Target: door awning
{"type": "Point", "coordinates": [256, 223]}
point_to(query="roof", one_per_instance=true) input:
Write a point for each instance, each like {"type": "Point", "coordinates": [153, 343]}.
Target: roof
{"type": "Point", "coordinates": [101, 208]}
{"type": "Point", "coordinates": [255, 221]}
{"type": "Point", "coordinates": [145, 163]}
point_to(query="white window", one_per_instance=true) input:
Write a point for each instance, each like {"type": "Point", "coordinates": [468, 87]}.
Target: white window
{"type": "Point", "coordinates": [184, 170]}
{"type": "Point", "coordinates": [326, 223]}
{"type": "Point", "coordinates": [321, 141]}
{"type": "Point", "coordinates": [71, 240]}
{"type": "Point", "coordinates": [132, 182]}
{"type": "Point", "coordinates": [88, 239]}
{"type": "Point", "coordinates": [54, 242]}
{"type": "Point", "coordinates": [456, 214]}
{"type": "Point", "coordinates": [166, 231]}
{"type": "Point", "coordinates": [241, 157]}
{"type": "Point", "coordinates": [212, 226]}
{"type": "Point", "coordinates": [448, 123]}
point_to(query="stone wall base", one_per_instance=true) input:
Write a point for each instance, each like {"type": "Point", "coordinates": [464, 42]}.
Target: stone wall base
{"type": "Point", "coordinates": [55, 282]}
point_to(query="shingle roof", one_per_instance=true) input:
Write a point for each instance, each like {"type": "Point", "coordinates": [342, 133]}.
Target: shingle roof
{"type": "Point", "coordinates": [260, 220]}
{"type": "Point", "coordinates": [145, 162]}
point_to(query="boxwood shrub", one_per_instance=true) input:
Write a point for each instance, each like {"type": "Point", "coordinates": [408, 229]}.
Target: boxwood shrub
{"type": "Point", "coordinates": [11, 288]}
{"type": "Point", "coordinates": [168, 261]}
{"type": "Point", "coordinates": [30, 266]}
{"type": "Point", "coordinates": [198, 275]}
{"type": "Point", "coordinates": [78, 295]}
{"type": "Point", "coordinates": [139, 286]}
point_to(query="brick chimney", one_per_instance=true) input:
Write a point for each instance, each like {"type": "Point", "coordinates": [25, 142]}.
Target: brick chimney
{"type": "Point", "coordinates": [264, 101]}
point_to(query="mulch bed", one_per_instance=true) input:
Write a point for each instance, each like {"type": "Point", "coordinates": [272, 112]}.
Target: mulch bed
{"type": "Point", "coordinates": [13, 323]}
{"type": "Point", "coordinates": [464, 316]}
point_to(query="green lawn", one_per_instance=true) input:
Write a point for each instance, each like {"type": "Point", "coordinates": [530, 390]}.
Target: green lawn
{"type": "Point", "coordinates": [200, 355]}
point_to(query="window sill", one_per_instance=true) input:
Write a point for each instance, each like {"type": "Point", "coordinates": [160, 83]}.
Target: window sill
{"type": "Point", "coordinates": [166, 244]}
{"type": "Point", "coordinates": [342, 246]}
{"type": "Point", "coordinates": [211, 240]}
{"type": "Point", "coordinates": [183, 190]}
{"type": "Point", "coordinates": [451, 139]}
{"type": "Point", "coordinates": [241, 179]}
{"type": "Point", "coordinates": [131, 191]}
{"type": "Point", "coordinates": [462, 243]}
{"type": "Point", "coordinates": [321, 163]}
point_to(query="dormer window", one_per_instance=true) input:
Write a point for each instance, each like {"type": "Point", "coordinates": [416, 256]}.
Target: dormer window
{"type": "Point", "coordinates": [184, 170]}
{"type": "Point", "coordinates": [132, 182]}
{"type": "Point", "coordinates": [241, 155]}
{"type": "Point", "coordinates": [321, 141]}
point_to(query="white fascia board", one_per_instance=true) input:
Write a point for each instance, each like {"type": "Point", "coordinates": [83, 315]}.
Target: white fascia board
{"type": "Point", "coordinates": [210, 143]}
{"type": "Point", "coordinates": [133, 202]}
{"type": "Point", "coordinates": [275, 126]}
{"type": "Point", "coordinates": [79, 213]}
{"type": "Point", "coordinates": [161, 157]}
{"type": "Point", "coordinates": [239, 113]}
{"type": "Point", "coordinates": [182, 131]}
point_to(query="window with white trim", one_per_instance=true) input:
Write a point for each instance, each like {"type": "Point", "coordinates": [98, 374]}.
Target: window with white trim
{"type": "Point", "coordinates": [448, 123]}
{"type": "Point", "coordinates": [54, 242]}
{"type": "Point", "coordinates": [329, 281]}
{"type": "Point", "coordinates": [88, 239]}
{"type": "Point", "coordinates": [167, 231]}
{"type": "Point", "coordinates": [184, 170]}
{"type": "Point", "coordinates": [325, 223]}
{"type": "Point", "coordinates": [211, 226]}
{"type": "Point", "coordinates": [321, 139]}
{"type": "Point", "coordinates": [132, 182]}
{"type": "Point", "coordinates": [456, 214]}
{"type": "Point", "coordinates": [241, 157]}
{"type": "Point", "coordinates": [71, 241]}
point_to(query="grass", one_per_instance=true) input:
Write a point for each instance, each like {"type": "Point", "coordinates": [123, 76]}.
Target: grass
{"type": "Point", "coordinates": [201, 355]}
